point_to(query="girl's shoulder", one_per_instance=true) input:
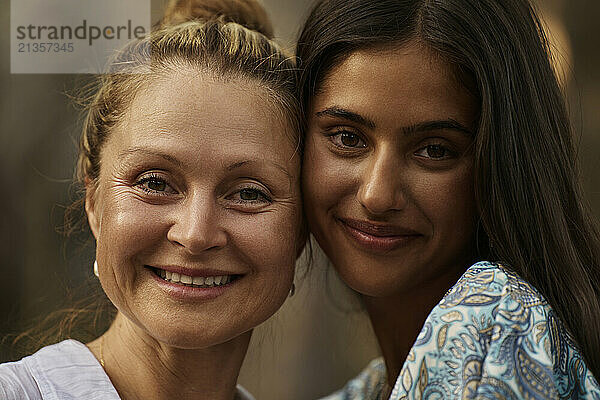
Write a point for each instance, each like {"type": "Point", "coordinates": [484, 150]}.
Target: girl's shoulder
{"type": "Point", "coordinates": [487, 284]}
{"type": "Point", "coordinates": [65, 370]}
{"type": "Point", "coordinates": [368, 384]}
{"type": "Point", "coordinates": [493, 334]}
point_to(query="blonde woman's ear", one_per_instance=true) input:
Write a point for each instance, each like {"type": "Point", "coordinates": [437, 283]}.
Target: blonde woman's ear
{"type": "Point", "coordinates": [90, 207]}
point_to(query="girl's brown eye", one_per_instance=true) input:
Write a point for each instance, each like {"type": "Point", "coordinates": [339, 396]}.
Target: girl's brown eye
{"type": "Point", "coordinates": [436, 151]}
{"type": "Point", "coordinates": [349, 139]}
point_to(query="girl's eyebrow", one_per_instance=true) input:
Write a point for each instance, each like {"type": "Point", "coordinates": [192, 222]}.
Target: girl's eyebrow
{"type": "Point", "coordinates": [447, 124]}
{"type": "Point", "coordinates": [338, 112]}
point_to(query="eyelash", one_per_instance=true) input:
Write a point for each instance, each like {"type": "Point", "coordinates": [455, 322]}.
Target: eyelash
{"type": "Point", "coordinates": [156, 179]}
{"type": "Point", "coordinates": [448, 153]}
{"type": "Point", "coordinates": [338, 135]}
{"type": "Point", "coordinates": [262, 196]}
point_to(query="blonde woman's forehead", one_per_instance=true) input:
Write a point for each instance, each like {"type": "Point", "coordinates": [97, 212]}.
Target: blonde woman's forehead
{"type": "Point", "coordinates": [202, 120]}
{"type": "Point", "coordinates": [186, 96]}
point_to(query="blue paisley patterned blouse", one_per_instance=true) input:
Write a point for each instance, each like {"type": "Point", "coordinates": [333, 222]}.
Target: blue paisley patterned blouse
{"type": "Point", "coordinates": [492, 336]}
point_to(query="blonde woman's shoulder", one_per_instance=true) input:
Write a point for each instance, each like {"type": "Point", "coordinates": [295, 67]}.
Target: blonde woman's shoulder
{"type": "Point", "coordinates": [62, 371]}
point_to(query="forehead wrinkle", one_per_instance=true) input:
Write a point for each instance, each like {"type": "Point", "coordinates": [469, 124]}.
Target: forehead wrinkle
{"type": "Point", "coordinates": [152, 115]}
{"type": "Point", "coordinates": [130, 151]}
{"type": "Point", "coordinates": [158, 113]}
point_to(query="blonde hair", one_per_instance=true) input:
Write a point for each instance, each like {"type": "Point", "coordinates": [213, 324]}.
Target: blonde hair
{"type": "Point", "coordinates": [248, 13]}
{"type": "Point", "coordinates": [216, 37]}
{"type": "Point", "coordinates": [228, 39]}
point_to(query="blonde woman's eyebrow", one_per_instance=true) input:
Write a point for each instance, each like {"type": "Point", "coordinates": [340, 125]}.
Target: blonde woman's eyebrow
{"type": "Point", "coordinates": [250, 163]}
{"type": "Point", "coordinates": [136, 150]}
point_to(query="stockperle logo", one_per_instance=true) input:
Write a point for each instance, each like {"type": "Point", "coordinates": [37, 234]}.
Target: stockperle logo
{"type": "Point", "coordinates": [73, 36]}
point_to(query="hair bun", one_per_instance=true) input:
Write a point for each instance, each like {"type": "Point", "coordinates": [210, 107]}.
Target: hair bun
{"type": "Point", "coordinates": [249, 13]}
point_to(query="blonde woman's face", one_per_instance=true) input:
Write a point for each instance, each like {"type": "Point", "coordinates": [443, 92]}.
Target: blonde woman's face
{"type": "Point", "coordinates": [197, 210]}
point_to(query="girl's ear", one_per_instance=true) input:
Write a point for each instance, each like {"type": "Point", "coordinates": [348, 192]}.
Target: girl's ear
{"type": "Point", "coordinates": [90, 207]}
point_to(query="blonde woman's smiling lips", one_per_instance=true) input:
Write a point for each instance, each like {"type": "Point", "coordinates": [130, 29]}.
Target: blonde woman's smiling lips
{"type": "Point", "coordinates": [377, 237]}
{"type": "Point", "coordinates": [201, 284]}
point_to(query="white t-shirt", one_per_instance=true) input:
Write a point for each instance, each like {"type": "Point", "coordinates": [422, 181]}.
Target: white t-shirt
{"type": "Point", "coordinates": [64, 371]}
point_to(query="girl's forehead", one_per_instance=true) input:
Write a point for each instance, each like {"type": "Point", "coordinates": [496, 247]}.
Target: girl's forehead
{"type": "Point", "coordinates": [397, 86]}
{"type": "Point", "coordinates": [407, 60]}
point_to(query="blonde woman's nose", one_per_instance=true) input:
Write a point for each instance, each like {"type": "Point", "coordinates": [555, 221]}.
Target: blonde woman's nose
{"type": "Point", "coordinates": [196, 226]}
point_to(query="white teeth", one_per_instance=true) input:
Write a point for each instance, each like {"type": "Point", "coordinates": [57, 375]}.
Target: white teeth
{"type": "Point", "coordinates": [210, 281]}
{"type": "Point", "coordinates": [198, 280]}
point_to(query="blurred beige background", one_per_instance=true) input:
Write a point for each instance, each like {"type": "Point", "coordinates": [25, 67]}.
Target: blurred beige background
{"type": "Point", "coordinates": [319, 338]}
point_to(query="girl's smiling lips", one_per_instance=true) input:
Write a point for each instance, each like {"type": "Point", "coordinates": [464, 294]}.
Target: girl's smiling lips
{"type": "Point", "coordinates": [377, 237]}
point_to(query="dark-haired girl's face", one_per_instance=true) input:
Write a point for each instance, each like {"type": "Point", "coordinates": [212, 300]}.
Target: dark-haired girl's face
{"type": "Point", "coordinates": [388, 177]}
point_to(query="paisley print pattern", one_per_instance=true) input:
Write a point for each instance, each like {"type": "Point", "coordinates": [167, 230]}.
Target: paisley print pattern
{"type": "Point", "coordinates": [368, 384]}
{"type": "Point", "coordinates": [492, 336]}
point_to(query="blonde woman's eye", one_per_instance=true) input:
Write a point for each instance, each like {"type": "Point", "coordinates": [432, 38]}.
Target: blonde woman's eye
{"type": "Point", "coordinates": [250, 196]}
{"type": "Point", "coordinates": [154, 185]}
{"type": "Point", "coordinates": [347, 139]}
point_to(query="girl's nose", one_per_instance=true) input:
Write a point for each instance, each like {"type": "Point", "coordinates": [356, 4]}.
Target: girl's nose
{"type": "Point", "coordinates": [381, 189]}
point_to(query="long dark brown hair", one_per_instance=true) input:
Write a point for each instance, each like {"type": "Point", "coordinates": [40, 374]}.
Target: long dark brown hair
{"type": "Point", "coordinates": [526, 182]}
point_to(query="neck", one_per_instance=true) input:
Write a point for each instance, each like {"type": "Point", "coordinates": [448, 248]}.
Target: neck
{"type": "Point", "coordinates": [398, 319]}
{"type": "Point", "coordinates": [140, 367]}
